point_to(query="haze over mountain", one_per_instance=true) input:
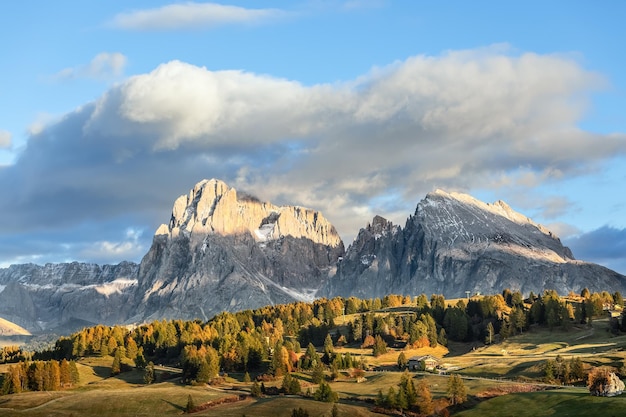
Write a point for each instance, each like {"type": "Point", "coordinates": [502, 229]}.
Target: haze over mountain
{"type": "Point", "coordinates": [224, 250]}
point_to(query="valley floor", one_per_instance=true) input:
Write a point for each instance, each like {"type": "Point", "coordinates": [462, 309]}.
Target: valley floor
{"type": "Point", "coordinates": [488, 372]}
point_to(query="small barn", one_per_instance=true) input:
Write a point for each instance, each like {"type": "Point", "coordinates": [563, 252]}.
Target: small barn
{"type": "Point", "coordinates": [423, 363]}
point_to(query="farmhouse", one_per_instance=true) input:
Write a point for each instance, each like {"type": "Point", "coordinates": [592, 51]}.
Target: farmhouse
{"type": "Point", "coordinates": [423, 363]}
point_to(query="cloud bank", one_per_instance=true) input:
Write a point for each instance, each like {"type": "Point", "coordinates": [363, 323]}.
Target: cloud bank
{"type": "Point", "coordinates": [192, 16]}
{"type": "Point", "coordinates": [606, 245]}
{"type": "Point", "coordinates": [374, 145]}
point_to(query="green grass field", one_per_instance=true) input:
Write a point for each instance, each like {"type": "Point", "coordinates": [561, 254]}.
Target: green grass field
{"type": "Point", "coordinates": [563, 402]}
{"type": "Point", "coordinates": [520, 357]}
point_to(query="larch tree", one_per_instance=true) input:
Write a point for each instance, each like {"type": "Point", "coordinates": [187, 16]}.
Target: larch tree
{"type": "Point", "coordinates": [456, 392]}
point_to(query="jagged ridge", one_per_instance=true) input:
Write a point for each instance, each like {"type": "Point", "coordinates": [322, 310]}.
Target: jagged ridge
{"type": "Point", "coordinates": [454, 243]}
{"type": "Point", "coordinates": [223, 250]}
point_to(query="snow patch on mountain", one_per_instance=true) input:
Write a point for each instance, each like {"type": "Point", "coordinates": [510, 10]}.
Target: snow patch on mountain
{"type": "Point", "coordinates": [116, 287]}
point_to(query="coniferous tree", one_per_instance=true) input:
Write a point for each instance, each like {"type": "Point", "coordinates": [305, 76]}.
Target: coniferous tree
{"type": "Point", "coordinates": [390, 399]}
{"type": "Point", "coordinates": [424, 398]}
{"type": "Point", "coordinates": [116, 366]}
{"type": "Point", "coordinates": [329, 350]}
{"type": "Point", "coordinates": [190, 404]}
{"type": "Point", "coordinates": [65, 378]}
{"type": "Point", "coordinates": [456, 392]}
{"type": "Point", "coordinates": [407, 385]}
{"type": "Point", "coordinates": [318, 374]}
{"type": "Point", "coordinates": [490, 334]}
{"type": "Point", "coordinates": [442, 338]}
{"type": "Point", "coordinates": [380, 398]}
{"type": "Point", "coordinates": [291, 385]}
{"type": "Point", "coordinates": [148, 374]}
{"type": "Point", "coordinates": [380, 347]}
{"type": "Point", "coordinates": [38, 376]}
{"type": "Point", "coordinates": [402, 361]}
{"type": "Point", "coordinates": [299, 412]}
{"type": "Point", "coordinates": [52, 376]}
{"type": "Point", "coordinates": [325, 394]}
{"type": "Point", "coordinates": [255, 389]}
{"type": "Point", "coordinates": [74, 374]}
{"type": "Point", "coordinates": [140, 359]}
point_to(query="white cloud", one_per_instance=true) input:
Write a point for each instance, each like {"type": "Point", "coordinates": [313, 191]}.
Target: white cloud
{"type": "Point", "coordinates": [5, 139]}
{"type": "Point", "coordinates": [130, 247]}
{"type": "Point", "coordinates": [105, 65]}
{"type": "Point", "coordinates": [192, 15]}
{"type": "Point", "coordinates": [462, 120]}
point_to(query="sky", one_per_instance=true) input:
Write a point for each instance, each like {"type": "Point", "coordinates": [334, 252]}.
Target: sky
{"type": "Point", "coordinates": [111, 110]}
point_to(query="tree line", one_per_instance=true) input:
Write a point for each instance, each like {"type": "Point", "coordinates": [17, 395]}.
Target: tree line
{"type": "Point", "coordinates": [271, 338]}
{"type": "Point", "coordinates": [48, 375]}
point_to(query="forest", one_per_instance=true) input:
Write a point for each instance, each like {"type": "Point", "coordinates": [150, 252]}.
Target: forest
{"type": "Point", "coordinates": [276, 340]}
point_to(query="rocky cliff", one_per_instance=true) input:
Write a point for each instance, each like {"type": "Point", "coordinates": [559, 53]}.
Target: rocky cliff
{"type": "Point", "coordinates": [224, 250]}
{"type": "Point", "coordinates": [454, 243]}
{"type": "Point", "coordinates": [69, 295]}
{"type": "Point", "coordinates": [227, 251]}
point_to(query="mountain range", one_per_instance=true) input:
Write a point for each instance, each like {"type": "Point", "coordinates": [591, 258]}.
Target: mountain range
{"type": "Point", "coordinates": [224, 250]}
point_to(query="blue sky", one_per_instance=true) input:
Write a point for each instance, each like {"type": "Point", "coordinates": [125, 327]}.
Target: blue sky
{"type": "Point", "coordinates": [110, 110]}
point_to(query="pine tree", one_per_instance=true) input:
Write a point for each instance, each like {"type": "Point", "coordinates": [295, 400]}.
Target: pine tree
{"type": "Point", "coordinates": [140, 359]}
{"type": "Point", "coordinates": [131, 348]}
{"type": "Point", "coordinates": [401, 400]}
{"type": "Point", "coordinates": [148, 375]}
{"type": "Point", "coordinates": [490, 333]}
{"type": "Point", "coordinates": [318, 374]}
{"type": "Point", "coordinates": [65, 377]}
{"type": "Point", "coordinates": [380, 398]}
{"type": "Point", "coordinates": [213, 362]}
{"type": "Point", "coordinates": [329, 349]}
{"type": "Point", "coordinates": [424, 398]}
{"type": "Point", "coordinates": [457, 393]}
{"type": "Point", "coordinates": [204, 372]}
{"type": "Point", "coordinates": [402, 361]}
{"type": "Point", "coordinates": [442, 338]}
{"type": "Point", "coordinates": [291, 385]}
{"type": "Point", "coordinates": [190, 404]}
{"type": "Point", "coordinates": [390, 398]}
{"type": "Point", "coordinates": [407, 385]}
{"type": "Point", "coordinates": [38, 376]}
{"type": "Point", "coordinates": [255, 389]}
{"type": "Point", "coordinates": [246, 377]}
{"type": "Point", "coordinates": [325, 394]}
{"type": "Point", "coordinates": [74, 375]}
{"type": "Point", "coordinates": [380, 347]}
{"type": "Point", "coordinates": [299, 412]}
{"type": "Point", "coordinates": [116, 366]}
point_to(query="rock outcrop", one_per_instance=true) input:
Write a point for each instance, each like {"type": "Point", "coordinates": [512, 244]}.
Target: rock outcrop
{"type": "Point", "coordinates": [454, 243]}
{"type": "Point", "coordinates": [220, 251]}
{"type": "Point", "coordinates": [57, 297]}
{"type": "Point", "coordinates": [226, 251]}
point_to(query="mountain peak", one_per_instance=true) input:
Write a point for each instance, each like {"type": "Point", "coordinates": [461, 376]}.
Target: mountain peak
{"type": "Point", "coordinates": [213, 207]}
{"type": "Point", "coordinates": [499, 208]}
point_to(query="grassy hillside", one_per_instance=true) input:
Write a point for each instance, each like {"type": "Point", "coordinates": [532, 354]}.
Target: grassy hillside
{"type": "Point", "coordinates": [505, 378]}
{"type": "Point", "coordinates": [8, 328]}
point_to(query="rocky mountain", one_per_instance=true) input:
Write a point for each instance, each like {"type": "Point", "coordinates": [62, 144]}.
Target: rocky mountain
{"type": "Point", "coordinates": [454, 243]}
{"type": "Point", "coordinates": [221, 250]}
{"type": "Point", "coordinates": [68, 295]}
{"type": "Point", "coordinates": [224, 250]}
